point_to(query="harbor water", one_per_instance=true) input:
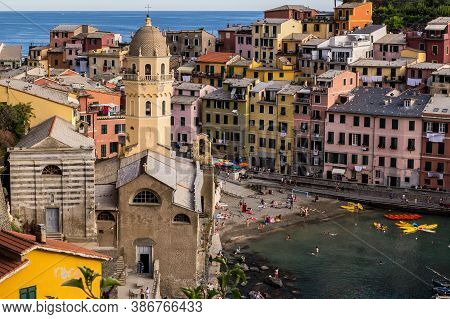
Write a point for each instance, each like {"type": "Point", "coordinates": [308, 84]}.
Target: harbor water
{"type": "Point", "coordinates": [357, 261]}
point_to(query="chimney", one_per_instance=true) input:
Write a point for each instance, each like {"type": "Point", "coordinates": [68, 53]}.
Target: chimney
{"type": "Point", "coordinates": [85, 28]}
{"type": "Point", "coordinates": [41, 235]}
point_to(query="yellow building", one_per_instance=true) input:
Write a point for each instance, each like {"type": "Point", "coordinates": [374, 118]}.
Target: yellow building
{"type": "Point", "coordinates": [380, 73]}
{"type": "Point", "coordinates": [410, 53]}
{"type": "Point", "coordinates": [225, 118]}
{"type": "Point", "coordinates": [284, 70]}
{"type": "Point", "coordinates": [291, 46]}
{"type": "Point", "coordinates": [271, 126]}
{"type": "Point", "coordinates": [211, 68]}
{"type": "Point", "coordinates": [46, 103]}
{"type": "Point", "coordinates": [321, 26]}
{"type": "Point", "coordinates": [107, 62]}
{"type": "Point", "coordinates": [38, 56]}
{"type": "Point", "coordinates": [148, 90]}
{"type": "Point", "coordinates": [35, 267]}
{"type": "Point", "coordinates": [268, 35]}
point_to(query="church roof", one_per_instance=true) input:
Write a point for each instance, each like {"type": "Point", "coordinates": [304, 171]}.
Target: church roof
{"type": "Point", "coordinates": [148, 42]}
{"type": "Point", "coordinates": [177, 173]}
{"type": "Point", "coordinates": [58, 129]}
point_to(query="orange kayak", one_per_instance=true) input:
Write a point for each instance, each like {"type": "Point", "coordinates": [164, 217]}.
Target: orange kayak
{"type": "Point", "coordinates": [403, 216]}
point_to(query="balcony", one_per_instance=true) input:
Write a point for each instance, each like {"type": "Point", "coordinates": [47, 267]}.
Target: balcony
{"type": "Point", "coordinates": [208, 75]}
{"type": "Point", "coordinates": [342, 18]}
{"type": "Point", "coordinates": [269, 36]}
{"type": "Point", "coordinates": [302, 101]}
{"type": "Point", "coordinates": [148, 78]}
{"type": "Point", "coordinates": [394, 79]}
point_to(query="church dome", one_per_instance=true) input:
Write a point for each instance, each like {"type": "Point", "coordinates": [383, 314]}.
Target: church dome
{"type": "Point", "coordinates": [148, 42]}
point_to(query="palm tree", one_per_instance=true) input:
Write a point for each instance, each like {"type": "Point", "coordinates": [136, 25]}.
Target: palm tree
{"type": "Point", "coordinates": [86, 282]}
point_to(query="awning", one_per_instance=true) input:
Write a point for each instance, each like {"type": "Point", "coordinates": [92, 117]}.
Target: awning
{"type": "Point", "coordinates": [338, 171]}
{"type": "Point", "coordinates": [436, 27]}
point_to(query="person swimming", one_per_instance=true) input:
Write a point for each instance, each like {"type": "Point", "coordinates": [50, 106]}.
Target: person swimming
{"type": "Point", "coordinates": [288, 237]}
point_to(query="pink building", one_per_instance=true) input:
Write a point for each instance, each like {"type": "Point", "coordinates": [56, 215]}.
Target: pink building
{"type": "Point", "coordinates": [375, 137]}
{"type": "Point", "coordinates": [71, 52]}
{"type": "Point", "coordinates": [309, 118]}
{"type": "Point", "coordinates": [186, 115]}
{"type": "Point", "coordinates": [62, 34]}
{"type": "Point", "coordinates": [95, 40]}
{"type": "Point", "coordinates": [389, 47]}
{"type": "Point", "coordinates": [244, 46]}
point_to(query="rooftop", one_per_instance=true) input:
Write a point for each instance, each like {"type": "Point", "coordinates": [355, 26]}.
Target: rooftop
{"type": "Point", "coordinates": [66, 28]}
{"type": "Point", "coordinates": [298, 37]}
{"type": "Point", "coordinates": [382, 63]}
{"type": "Point", "coordinates": [270, 21]}
{"type": "Point", "coordinates": [216, 57]}
{"type": "Point", "coordinates": [383, 102]}
{"type": "Point", "coordinates": [239, 82]}
{"type": "Point", "coordinates": [330, 74]}
{"type": "Point", "coordinates": [10, 52]}
{"type": "Point", "coordinates": [443, 71]}
{"type": "Point", "coordinates": [291, 89]}
{"type": "Point", "coordinates": [189, 86]}
{"type": "Point", "coordinates": [184, 99]}
{"type": "Point", "coordinates": [58, 129]}
{"type": "Point", "coordinates": [241, 62]}
{"type": "Point", "coordinates": [290, 7]}
{"type": "Point", "coordinates": [314, 42]}
{"type": "Point", "coordinates": [369, 29]}
{"type": "Point", "coordinates": [438, 105]}
{"type": "Point", "coordinates": [440, 20]}
{"type": "Point", "coordinates": [350, 5]}
{"type": "Point", "coordinates": [399, 38]}
{"type": "Point", "coordinates": [36, 90]}
{"type": "Point", "coordinates": [270, 86]}
{"type": "Point", "coordinates": [426, 66]}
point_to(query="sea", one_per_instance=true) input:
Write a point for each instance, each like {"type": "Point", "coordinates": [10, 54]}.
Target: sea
{"type": "Point", "coordinates": [358, 261]}
{"type": "Point", "coordinates": [33, 27]}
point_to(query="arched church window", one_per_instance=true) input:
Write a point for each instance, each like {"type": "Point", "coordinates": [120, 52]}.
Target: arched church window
{"type": "Point", "coordinates": [181, 219]}
{"type": "Point", "coordinates": [163, 69]}
{"type": "Point", "coordinates": [52, 170]}
{"type": "Point", "coordinates": [148, 69]}
{"type": "Point", "coordinates": [148, 108]}
{"type": "Point", "coordinates": [133, 69]}
{"type": "Point", "coordinates": [146, 197]}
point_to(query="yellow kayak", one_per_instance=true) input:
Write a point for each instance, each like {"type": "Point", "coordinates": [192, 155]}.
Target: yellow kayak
{"type": "Point", "coordinates": [357, 205]}
{"type": "Point", "coordinates": [410, 230]}
{"type": "Point", "coordinates": [428, 227]}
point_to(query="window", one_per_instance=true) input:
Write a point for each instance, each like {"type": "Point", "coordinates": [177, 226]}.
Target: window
{"type": "Point", "coordinates": [441, 148]}
{"type": "Point", "coordinates": [261, 109]}
{"type": "Point", "coordinates": [365, 160]}
{"type": "Point", "coordinates": [181, 219]}
{"type": "Point", "coordinates": [341, 138]}
{"type": "Point", "coordinates": [366, 140]}
{"type": "Point", "coordinates": [356, 121]}
{"type": "Point", "coordinates": [270, 109]}
{"type": "Point", "coordinates": [163, 108]}
{"type": "Point", "coordinates": [104, 129]}
{"type": "Point", "coordinates": [261, 125]}
{"type": "Point", "coordinates": [381, 161]}
{"type": "Point", "coordinates": [183, 121]}
{"type": "Point", "coordinates": [28, 293]}
{"type": "Point", "coordinates": [382, 123]}
{"type": "Point", "coordinates": [411, 144]}
{"type": "Point", "coordinates": [440, 168]}
{"type": "Point", "coordinates": [427, 166]}
{"type": "Point", "coordinates": [435, 50]}
{"type": "Point", "coordinates": [331, 118]}
{"type": "Point", "coordinates": [218, 118]}
{"type": "Point", "coordinates": [393, 162]}
{"type": "Point", "coordinates": [317, 99]}
{"type": "Point", "coordinates": [105, 216]}
{"type": "Point", "coordinates": [148, 69]}
{"type": "Point", "coordinates": [394, 143]}
{"type": "Point", "coordinates": [235, 120]}
{"type": "Point", "coordinates": [367, 122]}
{"type": "Point", "coordinates": [429, 148]}
{"type": "Point", "coordinates": [251, 138]}
{"type": "Point", "coordinates": [354, 158]}
{"type": "Point", "coordinates": [395, 124]}
{"type": "Point", "coordinates": [119, 128]}
{"type": "Point", "coordinates": [103, 150]}
{"type": "Point", "coordinates": [283, 111]}
{"type": "Point", "coordinates": [410, 164]}
{"type": "Point", "coordinates": [381, 142]}
{"type": "Point", "coordinates": [148, 108]}
{"type": "Point", "coordinates": [113, 147]}
{"type": "Point", "coordinates": [272, 143]}
{"type": "Point", "coordinates": [412, 125]}
{"type": "Point", "coordinates": [146, 197]}
{"type": "Point", "coordinates": [330, 139]}
{"type": "Point", "coordinates": [52, 170]}
{"type": "Point", "coordinates": [342, 119]}
{"type": "Point", "coordinates": [271, 126]}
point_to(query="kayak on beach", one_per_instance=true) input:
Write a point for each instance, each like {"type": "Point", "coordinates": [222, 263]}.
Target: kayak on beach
{"type": "Point", "coordinates": [403, 216]}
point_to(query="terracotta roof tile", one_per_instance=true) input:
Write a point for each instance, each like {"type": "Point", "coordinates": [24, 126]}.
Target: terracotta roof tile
{"type": "Point", "coordinates": [23, 243]}
{"type": "Point", "coordinates": [9, 266]}
{"type": "Point", "coordinates": [216, 57]}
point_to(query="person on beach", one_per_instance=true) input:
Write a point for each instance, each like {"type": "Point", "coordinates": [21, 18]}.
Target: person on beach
{"type": "Point", "coordinates": [142, 294]}
{"type": "Point", "coordinates": [147, 293]}
{"type": "Point", "coordinates": [317, 250]}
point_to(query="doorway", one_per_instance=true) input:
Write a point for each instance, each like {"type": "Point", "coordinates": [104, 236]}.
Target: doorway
{"type": "Point", "coordinates": [52, 220]}
{"type": "Point", "coordinates": [144, 259]}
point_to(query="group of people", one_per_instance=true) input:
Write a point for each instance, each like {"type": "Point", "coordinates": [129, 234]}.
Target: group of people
{"type": "Point", "coordinates": [145, 294]}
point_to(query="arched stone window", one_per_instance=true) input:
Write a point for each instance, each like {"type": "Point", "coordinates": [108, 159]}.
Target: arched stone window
{"type": "Point", "coordinates": [52, 170]}
{"type": "Point", "coordinates": [163, 107]}
{"type": "Point", "coordinates": [106, 216]}
{"type": "Point", "coordinates": [148, 69]}
{"type": "Point", "coordinates": [163, 69]}
{"type": "Point", "coordinates": [146, 197]}
{"type": "Point", "coordinates": [148, 108]}
{"type": "Point", "coordinates": [181, 219]}
{"type": "Point", "coordinates": [133, 69]}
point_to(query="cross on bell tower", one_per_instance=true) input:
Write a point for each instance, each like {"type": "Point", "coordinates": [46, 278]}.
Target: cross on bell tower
{"type": "Point", "coordinates": [148, 22]}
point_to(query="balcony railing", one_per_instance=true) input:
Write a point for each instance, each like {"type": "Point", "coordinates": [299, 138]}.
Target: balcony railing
{"type": "Point", "coordinates": [148, 78]}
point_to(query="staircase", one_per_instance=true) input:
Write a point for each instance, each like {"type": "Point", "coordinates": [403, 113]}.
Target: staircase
{"type": "Point", "coordinates": [120, 274]}
{"type": "Point", "coordinates": [55, 236]}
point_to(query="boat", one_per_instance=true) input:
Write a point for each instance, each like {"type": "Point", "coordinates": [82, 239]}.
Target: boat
{"type": "Point", "coordinates": [443, 291]}
{"type": "Point", "coordinates": [379, 226]}
{"type": "Point", "coordinates": [438, 283]}
{"type": "Point", "coordinates": [410, 230]}
{"type": "Point", "coordinates": [403, 216]}
{"type": "Point", "coordinates": [353, 207]}
{"type": "Point", "coordinates": [428, 227]}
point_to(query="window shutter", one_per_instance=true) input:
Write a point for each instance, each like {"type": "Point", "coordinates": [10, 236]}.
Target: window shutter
{"type": "Point", "coordinates": [350, 139]}
{"type": "Point", "coordinates": [359, 139]}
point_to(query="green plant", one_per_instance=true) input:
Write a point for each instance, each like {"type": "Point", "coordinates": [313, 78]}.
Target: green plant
{"type": "Point", "coordinates": [228, 281]}
{"type": "Point", "coordinates": [86, 282]}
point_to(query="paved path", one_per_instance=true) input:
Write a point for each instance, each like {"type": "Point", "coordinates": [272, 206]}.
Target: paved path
{"type": "Point", "coordinates": [236, 190]}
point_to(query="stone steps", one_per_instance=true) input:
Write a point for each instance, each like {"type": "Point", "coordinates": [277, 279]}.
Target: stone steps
{"type": "Point", "coordinates": [120, 273]}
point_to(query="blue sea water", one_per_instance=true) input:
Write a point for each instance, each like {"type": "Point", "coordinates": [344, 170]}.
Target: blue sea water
{"type": "Point", "coordinates": [33, 27]}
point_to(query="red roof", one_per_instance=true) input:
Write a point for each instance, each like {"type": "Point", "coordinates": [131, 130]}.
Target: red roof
{"type": "Point", "coordinates": [216, 57]}
{"type": "Point", "coordinates": [21, 244]}
{"type": "Point", "coordinates": [9, 266]}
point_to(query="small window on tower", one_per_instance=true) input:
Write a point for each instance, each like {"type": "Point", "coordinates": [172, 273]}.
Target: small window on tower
{"type": "Point", "coordinates": [148, 108]}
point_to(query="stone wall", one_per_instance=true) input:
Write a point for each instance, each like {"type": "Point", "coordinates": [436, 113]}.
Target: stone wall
{"type": "Point", "coordinates": [4, 218]}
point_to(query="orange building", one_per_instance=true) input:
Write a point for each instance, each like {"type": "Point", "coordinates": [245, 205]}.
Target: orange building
{"type": "Point", "coordinates": [349, 16]}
